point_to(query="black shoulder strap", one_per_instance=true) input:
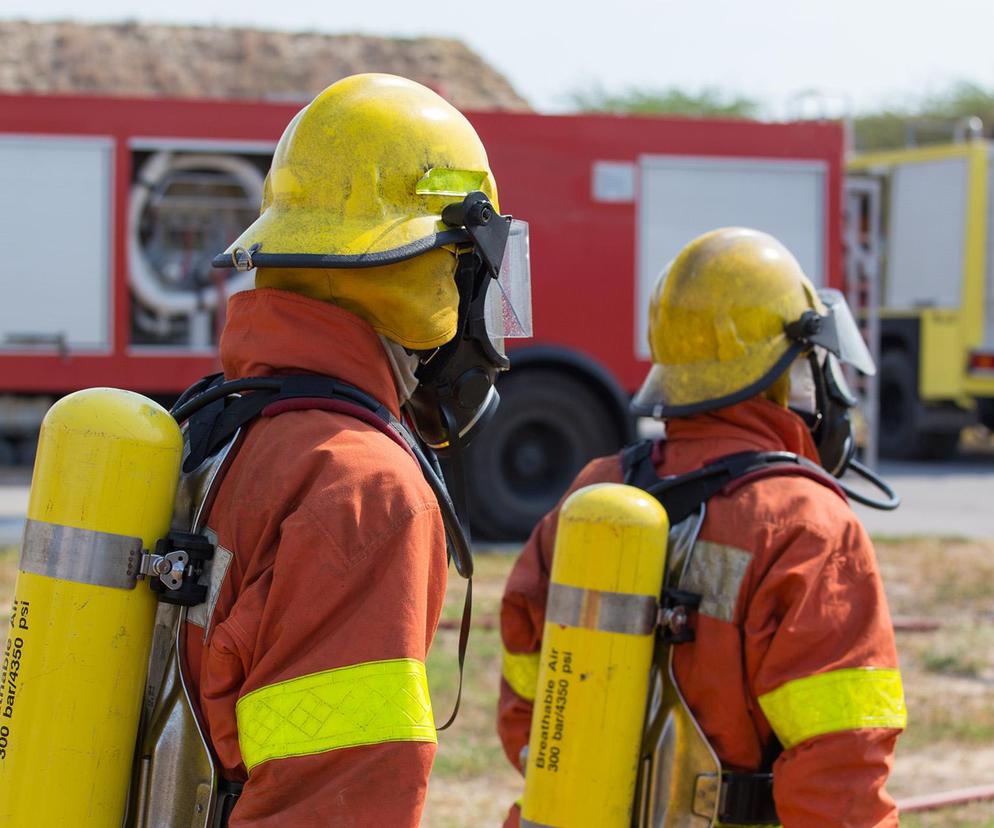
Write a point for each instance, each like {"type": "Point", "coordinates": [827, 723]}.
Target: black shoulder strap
{"type": "Point", "coordinates": [682, 495]}
{"type": "Point", "coordinates": [637, 465]}
{"type": "Point", "coordinates": [214, 410]}
{"type": "Point", "coordinates": [215, 413]}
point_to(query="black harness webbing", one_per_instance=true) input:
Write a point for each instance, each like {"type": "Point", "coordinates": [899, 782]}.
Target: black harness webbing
{"type": "Point", "coordinates": [214, 413]}
{"type": "Point", "coordinates": [745, 798]}
{"type": "Point", "coordinates": [215, 410]}
{"type": "Point", "coordinates": [683, 494]}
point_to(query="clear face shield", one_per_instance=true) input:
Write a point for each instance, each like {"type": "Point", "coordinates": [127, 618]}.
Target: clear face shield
{"type": "Point", "coordinates": [831, 340]}
{"type": "Point", "coordinates": [838, 333]}
{"type": "Point", "coordinates": [508, 305]}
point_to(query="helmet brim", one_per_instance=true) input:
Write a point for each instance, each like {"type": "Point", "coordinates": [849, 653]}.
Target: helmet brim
{"type": "Point", "coordinates": [309, 240]}
{"type": "Point", "coordinates": [663, 393]}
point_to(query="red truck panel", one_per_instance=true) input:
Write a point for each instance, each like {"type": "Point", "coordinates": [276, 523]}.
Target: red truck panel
{"type": "Point", "coordinates": [583, 252]}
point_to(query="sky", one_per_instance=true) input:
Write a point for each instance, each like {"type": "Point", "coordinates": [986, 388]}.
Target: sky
{"type": "Point", "coordinates": [851, 54]}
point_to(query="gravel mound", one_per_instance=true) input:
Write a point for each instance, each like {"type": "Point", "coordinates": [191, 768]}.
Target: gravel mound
{"type": "Point", "coordinates": [138, 60]}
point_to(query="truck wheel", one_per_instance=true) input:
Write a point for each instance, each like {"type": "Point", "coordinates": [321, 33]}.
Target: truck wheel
{"type": "Point", "coordinates": [901, 432]}
{"type": "Point", "coordinates": [898, 429]}
{"type": "Point", "coordinates": [25, 450]}
{"type": "Point", "coordinates": [985, 411]}
{"type": "Point", "coordinates": [938, 445]}
{"type": "Point", "coordinates": [547, 427]}
{"type": "Point", "coordinates": [7, 454]}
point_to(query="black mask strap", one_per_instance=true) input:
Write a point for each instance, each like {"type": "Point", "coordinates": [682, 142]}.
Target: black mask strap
{"type": "Point", "coordinates": [457, 485]}
{"type": "Point", "coordinates": [833, 404]}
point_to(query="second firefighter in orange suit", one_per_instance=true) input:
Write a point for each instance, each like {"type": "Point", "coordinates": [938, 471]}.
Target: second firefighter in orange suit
{"type": "Point", "coordinates": [793, 636]}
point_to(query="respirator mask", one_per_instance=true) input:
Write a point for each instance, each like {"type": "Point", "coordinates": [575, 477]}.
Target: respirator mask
{"type": "Point", "coordinates": [820, 393]}
{"type": "Point", "coordinates": [456, 394]}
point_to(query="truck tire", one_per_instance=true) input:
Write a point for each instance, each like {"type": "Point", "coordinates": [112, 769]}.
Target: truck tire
{"type": "Point", "coordinates": [25, 450]}
{"type": "Point", "coordinates": [901, 433]}
{"type": "Point", "coordinates": [8, 456]}
{"type": "Point", "coordinates": [985, 411]}
{"type": "Point", "coordinates": [548, 426]}
{"type": "Point", "coordinates": [898, 435]}
{"type": "Point", "coordinates": [938, 445]}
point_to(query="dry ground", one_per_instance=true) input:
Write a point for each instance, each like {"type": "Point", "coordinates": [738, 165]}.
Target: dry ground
{"type": "Point", "coordinates": [948, 674]}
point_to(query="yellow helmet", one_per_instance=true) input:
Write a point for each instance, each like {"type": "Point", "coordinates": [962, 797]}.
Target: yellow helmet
{"type": "Point", "coordinates": [728, 316]}
{"type": "Point", "coordinates": [359, 180]}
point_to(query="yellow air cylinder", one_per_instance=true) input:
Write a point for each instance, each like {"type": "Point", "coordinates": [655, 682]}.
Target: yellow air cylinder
{"type": "Point", "coordinates": [77, 647]}
{"type": "Point", "coordinates": [597, 646]}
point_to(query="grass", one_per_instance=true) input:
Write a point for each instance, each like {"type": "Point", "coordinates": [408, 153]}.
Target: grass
{"type": "Point", "coordinates": [948, 673]}
{"type": "Point", "coordinates": [975, 815]}
{"type": "Point", "coordinates": [472, 782]}
{"type": "Point", "coordinates": [8, 574]}
{"type": "Point", "coordinates": [948, 677]}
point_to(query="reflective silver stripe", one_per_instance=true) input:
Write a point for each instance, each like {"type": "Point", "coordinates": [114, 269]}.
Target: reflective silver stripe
{"type": "Point", "coordinates": [80, 555]}
{"type": "Point", "coordinates": [616, 612]}
{"type": "Point", "coordinates": [527, 823]}
{"type": "Point", "coordinates": [716, 572]}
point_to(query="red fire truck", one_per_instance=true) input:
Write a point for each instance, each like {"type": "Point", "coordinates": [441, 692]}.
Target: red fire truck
{"type": "Point", "coordinates": [111, 210]}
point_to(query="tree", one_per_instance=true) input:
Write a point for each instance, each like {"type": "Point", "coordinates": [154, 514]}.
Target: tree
{"type": "Point", "coordinates": [929, 120]}
{"type": "Point", "coordinates": [708, 102]}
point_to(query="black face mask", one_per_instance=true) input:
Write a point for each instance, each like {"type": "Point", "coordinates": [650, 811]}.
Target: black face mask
{"type": "Point", "coordinates": [831, 427]}
{"type": "Point", "coordinates": [832, 432]}
{"type": "Point", "coordinates": [456, 393]}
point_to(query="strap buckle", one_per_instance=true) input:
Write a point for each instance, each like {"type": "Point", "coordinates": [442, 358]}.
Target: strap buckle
{"type": "Point", "coordinates": [747, 799]}
{"type": "Point", "coordinates": [677, 611]}
{"type": "Point", "coordinates": [175, 567]}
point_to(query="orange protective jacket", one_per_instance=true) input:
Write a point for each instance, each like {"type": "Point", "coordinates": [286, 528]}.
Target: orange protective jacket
{"type": "Point", "coordinates": [799, 595]}
{"type": "Point", "coordinates": [337, 560]}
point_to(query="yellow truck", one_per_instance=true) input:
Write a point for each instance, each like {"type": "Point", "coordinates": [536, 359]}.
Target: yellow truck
{"type": "Point", "coordinates": [920, 259]}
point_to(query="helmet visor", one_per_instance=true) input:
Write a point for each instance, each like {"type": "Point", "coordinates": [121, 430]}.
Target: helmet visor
{"type": "Point", "coordinates": [840, 334]}
{"type": "Point", "coordinates": [508, 307]}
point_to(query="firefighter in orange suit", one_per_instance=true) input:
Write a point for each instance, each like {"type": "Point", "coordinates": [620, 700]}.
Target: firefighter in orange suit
{"type": "Point", "coordinates": [306, 663]}
{"type": "Point", "coordinates": [793, 668]}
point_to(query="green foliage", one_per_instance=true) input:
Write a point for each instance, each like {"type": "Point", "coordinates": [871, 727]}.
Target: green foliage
{"type": "Point", "coordinates": [708, 102]}
{"type": "Point", "coordinates": [974, 815]}
{"type": "Point", "coordinates": [928, 120]}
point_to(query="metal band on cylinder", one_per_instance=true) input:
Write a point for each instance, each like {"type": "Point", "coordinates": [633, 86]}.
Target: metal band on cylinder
{"type": "Point", "coordinates": [594, 609]}
{"type": "Point", "coordinates": [83, 556]}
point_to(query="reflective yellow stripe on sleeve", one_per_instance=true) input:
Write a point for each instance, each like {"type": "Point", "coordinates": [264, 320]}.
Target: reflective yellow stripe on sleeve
{"type": "Point", "coordinates": [848, 699]}
{"type": "Point", "coordinates": [520, 671]}
{"type": "Point", "coordinates": [364, 704]}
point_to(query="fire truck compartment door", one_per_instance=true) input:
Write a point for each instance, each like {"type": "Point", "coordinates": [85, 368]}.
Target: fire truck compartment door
{"type": "Point", "coordinates": [681, 197]}
{"type": "Point", "coordinates": [55, 233]}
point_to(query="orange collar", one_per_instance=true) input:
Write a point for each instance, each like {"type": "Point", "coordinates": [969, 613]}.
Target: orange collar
{"type": "Point", "coordinates": [755, 425]}
{"type": "Point", "coordinates": [271, 332]}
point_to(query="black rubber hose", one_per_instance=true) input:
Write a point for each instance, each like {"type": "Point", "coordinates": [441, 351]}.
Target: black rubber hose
{"type": "Point", "coordinates": [893, 498]}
